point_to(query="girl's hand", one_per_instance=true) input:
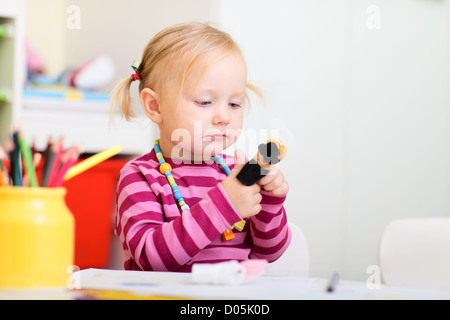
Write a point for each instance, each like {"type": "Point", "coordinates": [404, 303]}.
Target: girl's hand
{"type": "Point", "coordinates": [274, 182]}
{"type": "Point", "coordinates": [245, 199]}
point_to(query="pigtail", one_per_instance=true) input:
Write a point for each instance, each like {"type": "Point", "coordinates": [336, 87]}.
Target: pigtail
{"type": "Point", "coordinates": [120, 95]}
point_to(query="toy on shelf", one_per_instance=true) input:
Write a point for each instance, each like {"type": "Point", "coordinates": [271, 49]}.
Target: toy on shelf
{"type": "Point", "coordinates": [92, 75]}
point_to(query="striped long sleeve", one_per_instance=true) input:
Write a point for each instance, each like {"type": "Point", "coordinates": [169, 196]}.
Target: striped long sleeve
{"type": "Point", "coordinates": [269, 229]}
{"type": "Point", "coordinates": [157, 235]}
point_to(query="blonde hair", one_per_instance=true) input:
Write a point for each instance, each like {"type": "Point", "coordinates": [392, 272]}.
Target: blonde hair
{"type": "Point", "coordinates": [170, 56]}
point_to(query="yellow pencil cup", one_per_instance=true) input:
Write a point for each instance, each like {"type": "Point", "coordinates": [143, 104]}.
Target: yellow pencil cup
{"type": "Point", "coordinates": [36, 238]}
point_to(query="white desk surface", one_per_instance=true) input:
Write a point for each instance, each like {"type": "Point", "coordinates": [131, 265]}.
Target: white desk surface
{"type": "Point", "coordinates": [179, 285]}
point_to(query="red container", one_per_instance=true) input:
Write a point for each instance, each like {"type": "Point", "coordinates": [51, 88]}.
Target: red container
{"type": "Point", "coordinates": [90, 197]}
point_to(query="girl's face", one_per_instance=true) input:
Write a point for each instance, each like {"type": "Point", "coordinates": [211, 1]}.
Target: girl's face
{"type": "Point", "coordinates": [207, 118]}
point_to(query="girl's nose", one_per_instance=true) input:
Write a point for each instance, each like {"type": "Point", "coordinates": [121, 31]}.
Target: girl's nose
{"type": "Point", "coordinates": [221, 115]}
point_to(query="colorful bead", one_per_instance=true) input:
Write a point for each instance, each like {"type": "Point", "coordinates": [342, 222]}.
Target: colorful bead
{"type": "Point", "coordinates": [221, 163]}
{"type": "Point", "coordinates": [171, 181]}
{"type": "Point", "coordinates": [177, 195]}
{"type": "Point", "coordinates": [226, 170]}
{"type": "Point", "coordinates": [228, 235]}
{"type": "Point", "coordinates": [157, 149]}
{"type": "Point", "coordinates": [165, 167]}
{"type": "Point", "coordinates": [239, 225]}
{"type": "Point", "coordinates": [218, 159]}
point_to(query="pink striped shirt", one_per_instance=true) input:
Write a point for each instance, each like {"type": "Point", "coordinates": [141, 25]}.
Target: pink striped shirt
{"type": "Point", "coordinates": [157, 236]}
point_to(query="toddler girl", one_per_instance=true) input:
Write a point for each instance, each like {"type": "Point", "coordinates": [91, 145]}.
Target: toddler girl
{"type": "Point", "coordinates": [181, 203]}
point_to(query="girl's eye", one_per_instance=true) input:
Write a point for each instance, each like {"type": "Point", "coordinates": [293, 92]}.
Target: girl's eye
{"type": "Point", "coordinates": [203, 103]}
{"type": "Point", "coordinates": [234, 105]}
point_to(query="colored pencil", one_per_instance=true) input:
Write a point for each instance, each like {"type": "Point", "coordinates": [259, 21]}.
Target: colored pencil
{"type": "Point", "coordinates": [92, 161]}
{"type": "Point", "coordinates": [56, 163]}
{"type": "Point", "coordinates": [49, 164]}
{"type": "Point", "coordinates": [4, 159]}
{"type": "Point", "coordinates": [71, 158]}
{"type": "Point", "coordinates": [45, 163]}
{"type": "Point", "coordinates": [2, 178]}
{"type": "Point", "coordinates": [332, 284]}
{"type": "Point", "coordinates": [16, 162]}
{"type": "Point", "coordinates": [9, 146]}
{"type": "Point", "coordinates": [47, 168]}
{"type": "Point", "coordinates": [28, 159]}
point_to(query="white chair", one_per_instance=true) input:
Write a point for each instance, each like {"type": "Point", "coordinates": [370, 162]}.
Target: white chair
{"type": "Point", "coordinates": [416, 253]}
{"type": "Point", "coordinates": [295, 260]}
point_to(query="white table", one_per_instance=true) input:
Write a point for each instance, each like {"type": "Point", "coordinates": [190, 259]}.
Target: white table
{"type": "Point", "coordinates": [112, 284]}
{"type": "Point", "coordinates": [179, 285]}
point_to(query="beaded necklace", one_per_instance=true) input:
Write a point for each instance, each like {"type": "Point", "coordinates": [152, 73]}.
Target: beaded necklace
{"type": "Point", "coordinates": [165, 169]}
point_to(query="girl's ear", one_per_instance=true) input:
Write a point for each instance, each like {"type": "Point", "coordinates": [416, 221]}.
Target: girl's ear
{"type": "Point", "coordinates": [150, 102]}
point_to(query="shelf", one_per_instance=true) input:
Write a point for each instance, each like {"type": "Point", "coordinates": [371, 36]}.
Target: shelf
{"type": "Point", "coordinates": [64, 98]}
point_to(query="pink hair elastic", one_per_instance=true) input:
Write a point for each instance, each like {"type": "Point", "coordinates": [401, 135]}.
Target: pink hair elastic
{"type": "Point", "coordinates": [135, 76]}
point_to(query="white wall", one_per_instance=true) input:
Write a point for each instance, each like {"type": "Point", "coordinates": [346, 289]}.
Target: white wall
{"type": "Point", "coordinates": [365, 106]}
{"type": "Point", "coordinates": [397, 148]}
{"type": "Point", "coordinates": [363, 86]}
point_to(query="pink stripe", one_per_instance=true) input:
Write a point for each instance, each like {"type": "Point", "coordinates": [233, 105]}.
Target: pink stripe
{"type": "Point", "coordinates": [174, 243]}
{"type": "Point", "coordinates": [149, 163]}
{"type": "Point", "coordinates": [267, 221]}
{"type": "Point", "coordinates": [203, 219]}
{"type": "Point", "coordinates": [268, 198]}
{"type": "Point", "coordinates": [135, 226]}
{"type": "Point", "coordinates": [195, 231]}
{"type": "Point", "coordinates": [274, 252]}
{"type": "Point", "coordinates": [129, 177]}
{"type": "Point", "coordinates": [193, 191]}
{"type": "Point", "coordinates": [140, 214]}
{"type": "Point", "coordinates": [133, 199]}
{"type": "Point", "coordinates": [187, 172]}
{"type": "Point", "coordinates": [151, 253]}
{"type": "Point", "coordinates": [222, 254]}
{"type": "Point", "coordinates": [185, 239]}
{"type": "Point", "coordinates": [271, 208]}
{"type": "Point", "coordinates": [220, 199]}
{"type": "Point", "coordinates": [196, 182]}
{"type": "Point", "coordinates": [164, 250]}
{"type": "Point", "coordinates": [152, 173]}
{"type": "Point", "coordinates": [130, 189]}
{"type": "Point", "coordinates": [268, 242]}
